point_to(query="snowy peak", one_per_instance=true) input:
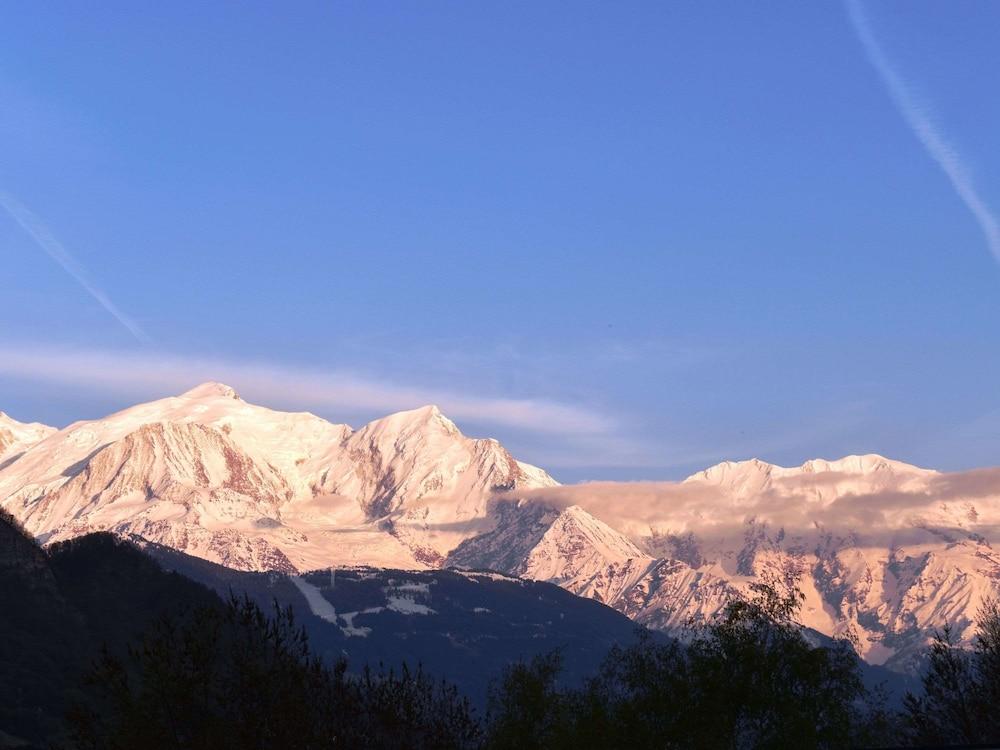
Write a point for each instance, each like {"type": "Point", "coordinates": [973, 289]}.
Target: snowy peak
{"type": "Point", "coordinates": [211, 389]}
{"type": "Point", "coordinates": [576, 521]}
{"type": "Point", "coordinates": [753, 476]}
{"type": "Point", "coordinates": [403, 424]}
{"type": "Point", "coordinates": [412, 455]}
{"type": "Point", "coordinates": [16, 437]}
{"type": "Point", "coordinates": [869, 463]}
{"type": "Point", "coordinates": [26, 428]}
{"type": "Point", "coordinates": [578, 545]}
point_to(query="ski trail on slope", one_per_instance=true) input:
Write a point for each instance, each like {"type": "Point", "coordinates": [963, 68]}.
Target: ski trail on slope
{"type": "Point", "coordinates": [320, 606]}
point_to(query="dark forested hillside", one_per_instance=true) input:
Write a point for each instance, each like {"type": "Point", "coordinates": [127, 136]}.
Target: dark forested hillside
{"type": "Point", "coordinates": [64, 603]}
{"type": "Point", "coordinates": [60, 606]}
{"type": "Point", "coordinates": [464, 626]}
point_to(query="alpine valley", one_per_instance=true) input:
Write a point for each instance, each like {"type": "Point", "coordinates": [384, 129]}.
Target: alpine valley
{"type": "Point", "coordinates": [883, 551]}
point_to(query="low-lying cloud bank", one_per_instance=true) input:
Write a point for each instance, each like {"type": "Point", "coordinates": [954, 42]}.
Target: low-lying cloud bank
{"type": "Point", "coordinates": [833, 502]}
{"type": "Point", "coordinates": [291, 387]}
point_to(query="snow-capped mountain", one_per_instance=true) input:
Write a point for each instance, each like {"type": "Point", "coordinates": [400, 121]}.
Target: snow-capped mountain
{"type": "Point", "coordinates": [211, 475]}
{"type": "Point", "coordinates": [884, 551]}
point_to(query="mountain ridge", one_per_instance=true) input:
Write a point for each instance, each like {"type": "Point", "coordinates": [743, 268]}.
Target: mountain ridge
{"type": "Point", "coordinates": [193, 470]}
{"type": "Point", "coordinates": [884, 551]}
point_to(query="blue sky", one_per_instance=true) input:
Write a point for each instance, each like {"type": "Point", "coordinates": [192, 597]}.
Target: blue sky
{"type": "Point", "coordinates": [629, 240]}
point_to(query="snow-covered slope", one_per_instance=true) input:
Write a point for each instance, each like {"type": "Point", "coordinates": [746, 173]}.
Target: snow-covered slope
{"type": "Point", "coordinates": [16, 437]}
{"type": "Point", "coordinates": [209, 474]}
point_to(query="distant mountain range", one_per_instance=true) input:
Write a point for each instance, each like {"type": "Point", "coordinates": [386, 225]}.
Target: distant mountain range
{"type": "Point", "coordinates": [884, 551]}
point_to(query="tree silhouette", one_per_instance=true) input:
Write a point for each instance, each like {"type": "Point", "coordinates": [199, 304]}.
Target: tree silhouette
{"type": "Point", "coordinates": [748, 679]}
{"type": "Point", "coordinates": [233, 677]}
{"type": "Point", "coordinates": [961, 688]}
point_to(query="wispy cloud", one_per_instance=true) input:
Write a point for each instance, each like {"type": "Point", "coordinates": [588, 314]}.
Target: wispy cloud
{"type": "Point", "coordinates": [146, 373]}
{"type": "Point", "coordinates": [916, 116]}
{"type": "Point", "coordinates": [44, 238]}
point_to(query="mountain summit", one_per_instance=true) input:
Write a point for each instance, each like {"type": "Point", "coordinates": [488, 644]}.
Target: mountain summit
{"type": "Point", "coordinates": [211, 389]}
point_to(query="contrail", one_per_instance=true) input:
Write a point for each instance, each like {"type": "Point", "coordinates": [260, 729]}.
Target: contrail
{"type": "Point", "coordinates": [54, 248]}
{"type": "Point", "coordinates": [927, 133]}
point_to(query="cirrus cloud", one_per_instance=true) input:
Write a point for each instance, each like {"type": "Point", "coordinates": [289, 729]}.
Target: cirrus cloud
{"type": "Point", "coordinates": [141, 373]}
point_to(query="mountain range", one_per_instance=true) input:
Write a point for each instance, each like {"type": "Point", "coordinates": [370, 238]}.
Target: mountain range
{"type": "Point", "coordinates": [884, 552]}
